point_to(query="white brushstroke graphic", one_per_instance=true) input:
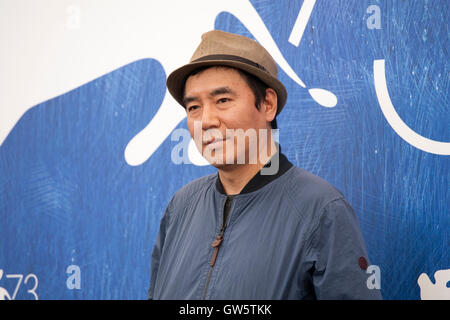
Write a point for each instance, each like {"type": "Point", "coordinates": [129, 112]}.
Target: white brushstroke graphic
{"type": "Point", "coordinates": [437, 290]}
{"type": "Point", "coordinates": [323, 97]}
{"type": "Point", "coordinates": [394, 120]}
{"type": "Point", "coordinates": [301, 22]}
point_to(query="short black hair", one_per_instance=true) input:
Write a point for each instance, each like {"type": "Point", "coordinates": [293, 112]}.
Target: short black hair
{"type": "Point", "coordinates": [257, 86]}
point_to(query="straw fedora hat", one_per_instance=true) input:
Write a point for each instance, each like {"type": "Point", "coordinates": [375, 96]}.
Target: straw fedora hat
{"type": "Point", "coordinates": [219, 48]}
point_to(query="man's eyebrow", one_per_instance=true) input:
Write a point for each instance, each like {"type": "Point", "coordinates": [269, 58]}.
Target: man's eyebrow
{"type": "Point", "coordinates": [187, 100]}
{"type": "Point", "coordinates": [221, 90]}
{"type": "Point", "coordinates": [215, 92]}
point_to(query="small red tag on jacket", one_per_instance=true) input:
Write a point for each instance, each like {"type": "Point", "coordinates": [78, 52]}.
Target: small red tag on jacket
{"type": "Point", "coordinates": [362, 263]}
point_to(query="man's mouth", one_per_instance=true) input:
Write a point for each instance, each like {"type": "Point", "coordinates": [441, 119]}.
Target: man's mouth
{"type": "Point", "coordinates": [213, 142]}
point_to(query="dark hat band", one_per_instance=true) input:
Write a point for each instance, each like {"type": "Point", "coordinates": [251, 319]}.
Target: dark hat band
{"type": "Point", "coordinates": [230, 57]}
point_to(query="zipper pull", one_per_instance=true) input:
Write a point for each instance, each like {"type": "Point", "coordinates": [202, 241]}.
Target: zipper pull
{"type": "Point", "coordinates": [215, 244]}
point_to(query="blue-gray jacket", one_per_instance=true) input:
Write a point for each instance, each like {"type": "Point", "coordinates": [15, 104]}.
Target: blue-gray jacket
{"type": "Point", "coordinates": [287, 236]}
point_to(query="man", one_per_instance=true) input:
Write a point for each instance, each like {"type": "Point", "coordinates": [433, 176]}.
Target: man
{"type": "Point", "coordinates": [260, 228]}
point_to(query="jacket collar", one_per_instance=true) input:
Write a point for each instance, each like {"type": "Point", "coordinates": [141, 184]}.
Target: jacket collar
{"type": "Point", "coordinates": [259, 180]}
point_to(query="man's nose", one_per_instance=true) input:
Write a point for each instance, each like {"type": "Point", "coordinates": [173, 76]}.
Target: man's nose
{"type": "Point", "coordinates": [210, 117]}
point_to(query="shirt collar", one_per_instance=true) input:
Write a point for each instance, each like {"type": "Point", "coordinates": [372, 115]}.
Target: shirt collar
{"type": "Point", "coordinates": [260, 180]}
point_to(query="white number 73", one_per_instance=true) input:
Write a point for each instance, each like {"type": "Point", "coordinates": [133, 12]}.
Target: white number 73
{"type": "Point", "coordinates": [19, 281]}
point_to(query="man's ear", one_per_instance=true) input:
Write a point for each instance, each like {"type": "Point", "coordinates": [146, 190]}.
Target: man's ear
{"type": "Point", "coordinates": [270, 103]}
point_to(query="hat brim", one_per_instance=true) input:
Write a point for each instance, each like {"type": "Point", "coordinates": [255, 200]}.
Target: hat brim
{"type": "Point", "coordinates": [176, 80]}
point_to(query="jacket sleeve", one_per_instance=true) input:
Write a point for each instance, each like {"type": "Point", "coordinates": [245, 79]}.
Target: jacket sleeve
{"type": "Point", "coordinates": [340, 256]}
{"type": "Point", "coordinates": [157, 251]}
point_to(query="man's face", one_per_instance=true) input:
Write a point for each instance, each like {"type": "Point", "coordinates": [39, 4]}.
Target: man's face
{"type": "Point", "coordinates": [221, 100]}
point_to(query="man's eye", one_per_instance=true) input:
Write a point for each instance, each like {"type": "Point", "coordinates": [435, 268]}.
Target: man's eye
{"type": "Point", "coordinates": [222, 100]}
{"type": "Point", "coordinates": [192, 108]}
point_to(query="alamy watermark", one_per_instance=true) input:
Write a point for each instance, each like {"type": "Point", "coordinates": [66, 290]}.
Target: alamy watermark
{"type": "Point", "coordinates": [73, 21]}
{"type": "Point", "coordinates": [374, 20]}
{"type": "Point", "coordinates": [234, 146]}
{"type": "Point", "coordinates": [374, 280]}
{"type": "Point", "coordinates": [74, 277]}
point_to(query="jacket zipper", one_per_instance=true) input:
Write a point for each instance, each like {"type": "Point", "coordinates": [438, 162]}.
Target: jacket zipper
{"type": "Point", "coordinates": [218, 241]}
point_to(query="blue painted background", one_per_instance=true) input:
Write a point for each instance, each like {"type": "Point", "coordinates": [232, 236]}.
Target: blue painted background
{"type": "Point", "coordinates": [67, 196]}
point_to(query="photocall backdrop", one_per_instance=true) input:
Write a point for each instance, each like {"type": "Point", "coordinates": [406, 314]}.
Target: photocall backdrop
{"type": "Point", "coordinates": [86, 124]}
